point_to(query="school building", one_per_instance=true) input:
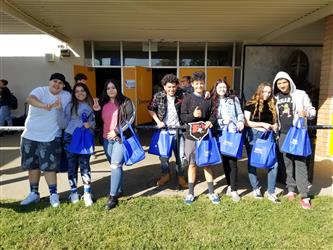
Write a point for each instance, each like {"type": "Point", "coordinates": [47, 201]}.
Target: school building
{"type": "Point", "coordinates": [244, 42]}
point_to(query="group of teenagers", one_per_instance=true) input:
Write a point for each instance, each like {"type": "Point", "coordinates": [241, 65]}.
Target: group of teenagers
{"type": "Point", "coordinates": [55, 114]}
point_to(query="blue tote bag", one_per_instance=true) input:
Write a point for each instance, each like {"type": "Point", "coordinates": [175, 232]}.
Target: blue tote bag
{"type": "Point", "coordinates": [263, 154]}
{"type": "Point", "coordinates": [231, 143]}
{"type": "Point", "coordinates": [297, 141]}
{"type": "Point", "coordinates": [161, 143]}
{"type": "Point", "coordinates": [133, 151]}
{"type": "Point", "coordinates": [207, 152]}
{"type": "Point", "coordinates": [82, 139]}
{"type": "Point", "coordinates": [82, 142]}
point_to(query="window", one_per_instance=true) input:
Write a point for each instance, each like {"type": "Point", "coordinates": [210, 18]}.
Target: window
{"type": "Point", "coordinates": [164, 54]}
{"type": "Point", "coordinates": [107, 53]}
{"type": "Point", "coordinates": [134, 55]}
{"type": "Point", "coordinates": [219, 54]}
{"type": "Point", "coordinates": [192, 54]}
{"type": "Point", "coordinates": [87, 53]}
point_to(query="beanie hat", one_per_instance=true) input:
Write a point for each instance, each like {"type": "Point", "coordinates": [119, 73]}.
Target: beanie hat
{"type": "Point", "coordinates": [58, 76]}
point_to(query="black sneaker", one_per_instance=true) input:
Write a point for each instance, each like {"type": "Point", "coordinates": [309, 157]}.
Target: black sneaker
{"type": "Point", "coordinates": [111, 203]}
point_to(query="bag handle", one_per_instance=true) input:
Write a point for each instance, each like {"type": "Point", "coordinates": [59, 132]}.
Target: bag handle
{"type": "Point", "coordinates": [121, 131]}
{"type": "Point", "coordinates": [269, 137]}
{"type": "Point", "coordinates": [300, 122]}
{"type": "Point", "coordinates": [227, 126]}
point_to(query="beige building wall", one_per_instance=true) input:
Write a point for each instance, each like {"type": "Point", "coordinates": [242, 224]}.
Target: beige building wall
{"type": "Point", "coordinates": [26, 73]}
{"type": "Point", "coordinates": [325, 112]}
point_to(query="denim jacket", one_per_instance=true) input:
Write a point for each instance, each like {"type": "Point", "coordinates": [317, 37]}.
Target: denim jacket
{"type": "Point", "coordinates": [229, 107]}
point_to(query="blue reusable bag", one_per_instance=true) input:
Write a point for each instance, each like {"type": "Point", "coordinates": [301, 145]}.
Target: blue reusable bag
{"type": "Point", "coordinates": [161, 143]}
{"type": "Point", "coordinates": [82, 140]}
{"type": "Point", "coordinates": [207, 152]}
{"type": "Point", "coordinates": [263, 154]}
{"type": "Point", "coordinates": [133, 151]}
{"type": "Point", "coordinates": [297, 141]}
{"type": "Point", "coordinates": [231, 143]}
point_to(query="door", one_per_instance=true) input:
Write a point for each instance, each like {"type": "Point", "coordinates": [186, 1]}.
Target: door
{"type": "Point", "coordinates": [137, 85]}
{"type": "Point", "coordinates": [91, 75]}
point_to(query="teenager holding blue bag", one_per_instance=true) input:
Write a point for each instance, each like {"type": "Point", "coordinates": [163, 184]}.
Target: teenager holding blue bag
{"type": "Point", "coordinates": [164, 108]}
{"type": "Point", "coordinates": [78, 114]}
{"type": "Point", "coordinates": [292, 104]}
{"type": "Point", "coordinates": [260, 117]}
{"type": "Point", "coordinates": [229, 115]}
{"type": "Point", "coordinates": [195, 108]}
{"type": "Point", "coordinates": [116, 112]}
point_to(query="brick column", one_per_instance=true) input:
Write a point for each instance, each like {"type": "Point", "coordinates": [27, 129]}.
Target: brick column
{"type": "Point", "coordinates": [325, 111]}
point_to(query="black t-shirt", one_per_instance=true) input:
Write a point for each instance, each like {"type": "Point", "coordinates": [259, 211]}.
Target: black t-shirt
{"type": "Point", "coordinates": [265, 116]}
{"type": "Point", "coordinates": [286, 112]}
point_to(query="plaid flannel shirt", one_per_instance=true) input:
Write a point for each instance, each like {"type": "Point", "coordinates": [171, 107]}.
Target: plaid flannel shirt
{"type": "Point", "coordinates": [159, 103]}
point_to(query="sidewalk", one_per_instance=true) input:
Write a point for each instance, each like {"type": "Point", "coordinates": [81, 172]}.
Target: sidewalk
{"type": "Point", "coordinates": [139, 179]}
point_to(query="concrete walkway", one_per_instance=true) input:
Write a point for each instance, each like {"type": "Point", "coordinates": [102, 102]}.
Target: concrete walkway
{"type": "Point", "coordinates": [140, 179]}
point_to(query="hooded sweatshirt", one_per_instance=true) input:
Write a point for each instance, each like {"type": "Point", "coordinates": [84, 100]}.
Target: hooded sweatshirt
{"type": "Point", "coordinates": [290, 103]}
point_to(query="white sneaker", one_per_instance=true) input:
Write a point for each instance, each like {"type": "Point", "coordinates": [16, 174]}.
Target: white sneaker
{"type": "Point", "coordinates": [214, 198]}
{"type": "Point", "coordinates": [189, 199]}
{"type": "Point", "coordinates": [228, 191]}
{"type": "Point", "coordinates": [87, 199]}
{"type": "Point", "coordinates": [257, 194]}
{"type": "Point", "coordinates": [273, 198]}
{"type": "Point", "coordinates": [31, 198]}
{"type": "Point", "coordinates": [54, 200]}
{"type": "Point", "coordinates": [235, 197]}
{"type": "Point", "coordinates": [74, 197]}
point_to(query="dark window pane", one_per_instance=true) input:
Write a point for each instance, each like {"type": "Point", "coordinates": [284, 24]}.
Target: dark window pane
{"type": "Point", "coordinates": [238, 56]}
{"type": "Point", "coordinates": [134, 54]}
{"type": "Point", "coordinates": [87, 53]}
{"type": "Point", "coordinates": [219, 54]}
{"type": "Point", "coordinates": [192, 54]}
{"type": "Point", "coordinates": [107, 53]}
{"type": "Point", "coordinates": [164, 54]}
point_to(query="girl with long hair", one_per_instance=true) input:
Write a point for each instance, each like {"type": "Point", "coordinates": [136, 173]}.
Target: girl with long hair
{"type": "Point", "coordinates": [81, 105]}
{"type": "Point", "coordinates": [227, 109]}
{"type": "Point", "coordinates": [116, 112]}
{"type": "Point", "coordinates": [260, 116]}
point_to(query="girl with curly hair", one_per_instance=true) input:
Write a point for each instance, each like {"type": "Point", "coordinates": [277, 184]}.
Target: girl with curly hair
{"type": "Point", "coordinates": [260, 116]}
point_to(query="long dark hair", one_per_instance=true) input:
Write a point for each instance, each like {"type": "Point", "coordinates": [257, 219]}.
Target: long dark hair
{"type": "Point", "coordinates": [120, 98]}
{"type": "Point", "coordinates": [75, 101]}
{"type": "Point", "coordinates": [230, 93]}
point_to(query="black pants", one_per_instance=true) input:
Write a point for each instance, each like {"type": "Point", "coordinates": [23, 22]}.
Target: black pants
{"type": "Point", "coordinates": [230, 171]}
{"type": "Point", "coordinates": [296, 170]}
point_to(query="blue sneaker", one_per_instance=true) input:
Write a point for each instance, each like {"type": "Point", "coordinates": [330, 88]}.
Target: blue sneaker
{"type": "Point", "coordinates": [214, 198]}
{"type": "Point", "coordinates": [189, 199]}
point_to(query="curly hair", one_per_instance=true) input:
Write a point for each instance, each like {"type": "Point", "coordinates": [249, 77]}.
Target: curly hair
{"type": "Point", "coordinates": [169, 78]}
{"type": "Point", "coordinates": [258, 101]}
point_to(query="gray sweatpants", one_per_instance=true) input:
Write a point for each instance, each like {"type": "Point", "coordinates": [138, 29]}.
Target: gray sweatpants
{"type": "Point", "coordinates": [296, 170]}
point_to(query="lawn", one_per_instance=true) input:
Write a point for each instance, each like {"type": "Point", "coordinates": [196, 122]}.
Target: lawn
{"type": "Point", "coordinates": [166, 223]}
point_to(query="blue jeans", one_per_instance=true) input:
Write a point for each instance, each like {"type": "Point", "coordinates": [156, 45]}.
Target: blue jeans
{"type": "Point", "coordinates": [5, 116]}
{"type": "Point", "coordinates": [75, 160]}
{"type": "Point", "coordinates": [115, 155]}
{"type": "Point", "coordinates": [251, 136]}
{"type": "Point", "coordinates": [179, 155]}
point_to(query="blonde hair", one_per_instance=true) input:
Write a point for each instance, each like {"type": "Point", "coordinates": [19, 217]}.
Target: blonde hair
{"type": "Point", "coordinates": [258, 101]}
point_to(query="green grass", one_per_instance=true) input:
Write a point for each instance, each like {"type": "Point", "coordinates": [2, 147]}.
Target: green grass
{"type": "Point", "coordinates": [166, 223]}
